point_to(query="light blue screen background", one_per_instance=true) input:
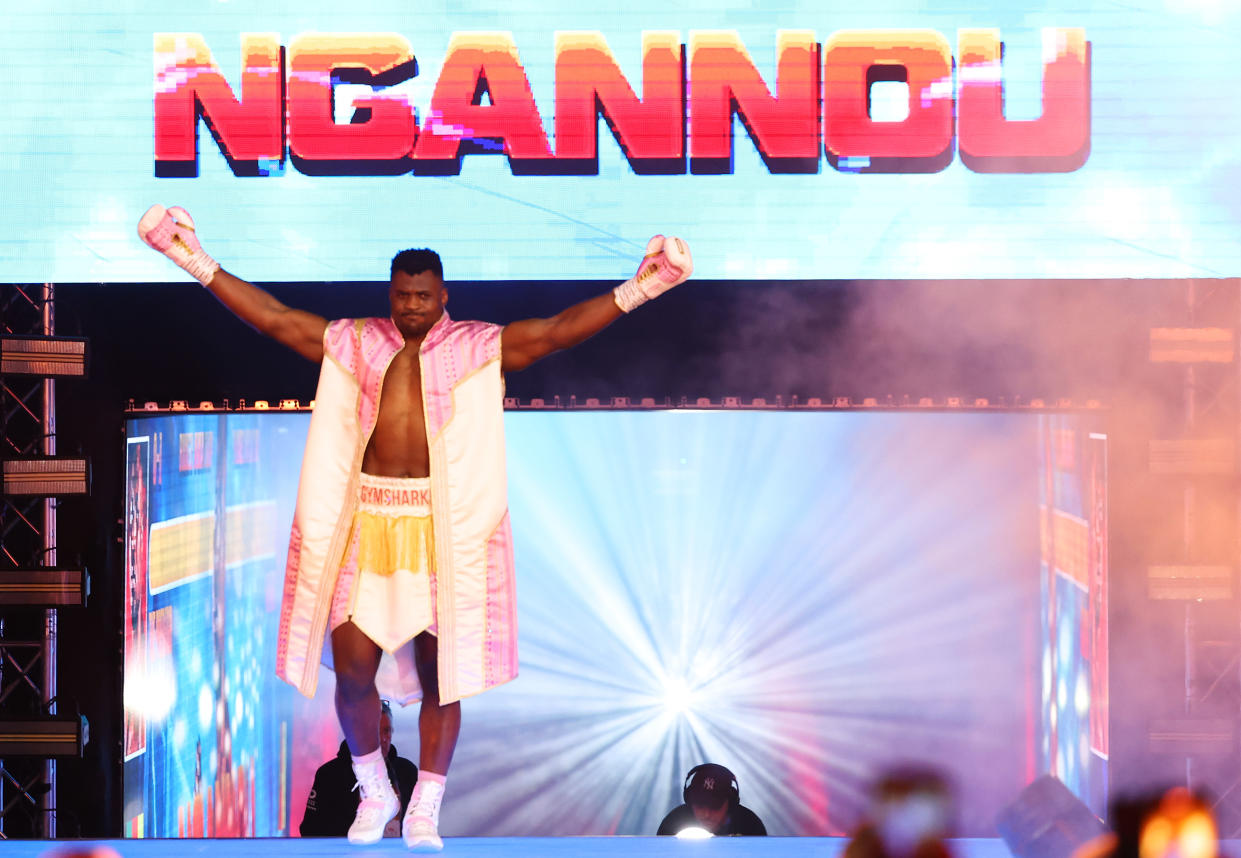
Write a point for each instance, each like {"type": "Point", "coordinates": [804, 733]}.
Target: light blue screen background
{"type": "Point", "coordinates": [1155, 198]}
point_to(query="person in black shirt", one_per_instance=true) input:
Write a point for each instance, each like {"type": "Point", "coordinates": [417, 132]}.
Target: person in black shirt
{"type": "Point", "coordinates": [712, 803]}
{"type": "Point", "coordinates": [333, 800]}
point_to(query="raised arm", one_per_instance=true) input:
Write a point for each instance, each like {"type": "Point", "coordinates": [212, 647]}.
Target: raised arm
{"type": "Point", "coordinates": [524, 342]}
{"type": "Point", "coordinates": [297, 329]}
{"type": "Point", "coordinates": [667, 263]}
{"type": "Point", "coordinates": [171, 231]}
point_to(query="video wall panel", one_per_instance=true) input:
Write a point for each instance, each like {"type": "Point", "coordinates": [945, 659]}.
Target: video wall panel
{"type": "Point", "coordinates": [542, 140]}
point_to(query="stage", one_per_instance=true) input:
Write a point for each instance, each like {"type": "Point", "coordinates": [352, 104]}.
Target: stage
{"type": "Point", "coordinates": [486, 847]}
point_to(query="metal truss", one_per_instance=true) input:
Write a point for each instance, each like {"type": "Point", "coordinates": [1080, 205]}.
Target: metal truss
{"type": "Point", "coordinates": [27, 541]}
{"type": "Point", "coordinates": [1203, 371]}
{"type": "Point", "coordinates": [24, 791]}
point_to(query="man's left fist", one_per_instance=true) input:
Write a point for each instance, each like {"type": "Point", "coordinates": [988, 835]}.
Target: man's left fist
{"type": "Point", "coordinates": [666, 264]}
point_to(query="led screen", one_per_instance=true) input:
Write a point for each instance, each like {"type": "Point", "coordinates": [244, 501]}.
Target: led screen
{"type": "Point", "coordinates": [1074, 598]}
{"type": "Point", "coordinates": [806, 597]}
{"type": "Point", "coordinates": [541, 139]}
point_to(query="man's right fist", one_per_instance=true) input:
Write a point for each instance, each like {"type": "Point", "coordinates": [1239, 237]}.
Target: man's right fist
{"type": "Point", "coordinates": [171, 232]}
{"type": "Point", "coordinates": [667, 263]}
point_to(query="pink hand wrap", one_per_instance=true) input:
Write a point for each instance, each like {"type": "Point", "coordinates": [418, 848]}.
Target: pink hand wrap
{"type": "Point", "coordinates": [666, 264]}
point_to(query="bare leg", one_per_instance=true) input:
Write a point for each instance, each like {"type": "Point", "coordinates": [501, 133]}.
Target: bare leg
{"type": "Point", "coordinates": [438, 725]}
{"type": "Point", "coordinates": [356, 660]}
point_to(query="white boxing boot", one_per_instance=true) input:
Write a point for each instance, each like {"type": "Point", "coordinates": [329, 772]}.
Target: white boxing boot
{"type": "Point", "coordinates": [422, 819]}
{"type": "Point", "coordinates": [379, 801]}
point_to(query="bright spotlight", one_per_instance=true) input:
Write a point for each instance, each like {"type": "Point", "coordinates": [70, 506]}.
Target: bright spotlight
{"type": "Point", "coordinates": [678, 698]}
{"type": "Point", "coordinates": [693, 833]}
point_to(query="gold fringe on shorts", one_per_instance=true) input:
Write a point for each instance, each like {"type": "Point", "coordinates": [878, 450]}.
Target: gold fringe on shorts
{"type": "Point", "coordinates": [387, 543]}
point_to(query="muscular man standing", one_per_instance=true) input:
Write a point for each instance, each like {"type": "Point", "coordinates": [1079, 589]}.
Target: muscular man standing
{"type": "Point", "coordinates": [401, 529]}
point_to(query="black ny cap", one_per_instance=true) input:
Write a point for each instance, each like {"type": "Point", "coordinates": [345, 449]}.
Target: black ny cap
{"type": "Point", "coordinates": [710, 786]}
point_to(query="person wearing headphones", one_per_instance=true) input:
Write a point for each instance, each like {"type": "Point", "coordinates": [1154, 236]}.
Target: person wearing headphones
{"type": "Point", "coordinates": [712, 803]}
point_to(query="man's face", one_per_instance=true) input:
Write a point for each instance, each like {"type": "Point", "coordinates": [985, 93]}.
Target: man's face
{"type": "Point", "coordinates": [385, 733]}
{"type": "Point", "coordinates": [417, 302]}
{"type": "Point", "coordinates": [710, 818]}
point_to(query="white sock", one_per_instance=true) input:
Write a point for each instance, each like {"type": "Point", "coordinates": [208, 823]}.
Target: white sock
{"type": "Point", "coordinates": [368, 759]}
{"type": "Point", "coordinates": [428, 793]}
{"type": "Point", "coordinates": [370, 769]}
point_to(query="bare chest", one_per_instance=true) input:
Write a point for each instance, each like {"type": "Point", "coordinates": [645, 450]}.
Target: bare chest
{"type": "Point", "coordinates": [398, 444]}
{"type": "Point", "coordinates": [402, 386]}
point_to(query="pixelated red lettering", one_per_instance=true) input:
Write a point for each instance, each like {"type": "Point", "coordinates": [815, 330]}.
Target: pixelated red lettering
{"type": "Point", "coordinates": [723, 80]}
{"type": "Point", "coordinates": [650, 130]}
{"type": "Point", "coordinates": [188, 84]}
{"type": "Point", "coordinates": [478, 65]}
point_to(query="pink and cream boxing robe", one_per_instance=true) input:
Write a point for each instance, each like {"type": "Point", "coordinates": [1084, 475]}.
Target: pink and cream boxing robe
{"type": "Point", "coordinates": [463, 396]}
